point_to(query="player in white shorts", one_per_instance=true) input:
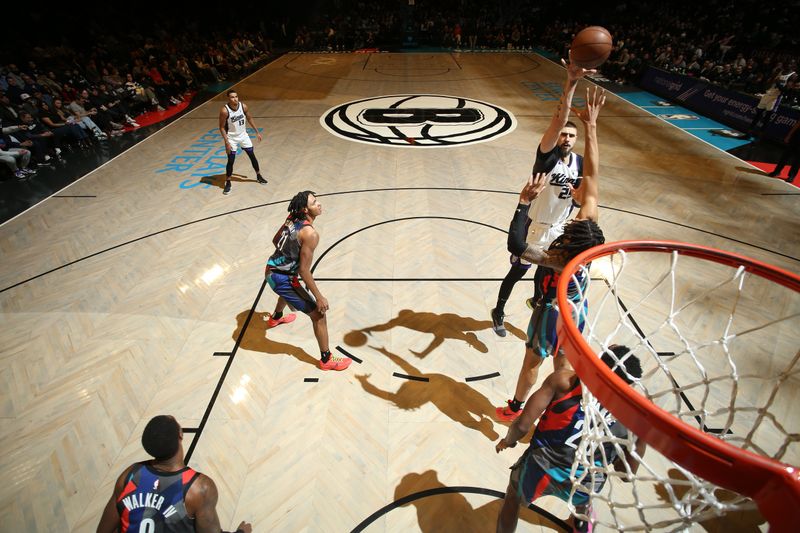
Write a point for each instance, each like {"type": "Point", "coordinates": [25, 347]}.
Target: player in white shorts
{"type": "Point", "coordinates": [233, 118]}
{"type": "Point", "coordinates": [554, 205]}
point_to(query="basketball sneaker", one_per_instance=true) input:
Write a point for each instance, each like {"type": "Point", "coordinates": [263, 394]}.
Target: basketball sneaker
{"type": "Point", "coordinates": [497, 323]}
{"type": "Point", "coordinates": [261, 179]}
{"type": "Point", "coordinates": [506, 414]}
{"type": "Point", "coordinates": [285, 319]}
{"type": "Point", "coordinates": [227, 188]}
{"type": "Point", "coordinates": [531, 302]}
{"type": "Point", "coordinates": [335, 363]}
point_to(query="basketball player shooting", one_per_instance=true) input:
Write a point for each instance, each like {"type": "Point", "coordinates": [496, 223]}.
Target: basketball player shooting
{"type": "Point", "coordinates": [579, 235]}
{"type": "Point", "coordinates": [563, 169]}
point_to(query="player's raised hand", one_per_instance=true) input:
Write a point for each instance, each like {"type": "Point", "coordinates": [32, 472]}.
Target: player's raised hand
{"type": "Point", "coordinates": [594, 101]}
{"type": "Point", "coordinates": [574, 72]}
{"type": "Point", "coordinates": [576, 193]}
{"type": "Point", "coordinates": [533, 187]}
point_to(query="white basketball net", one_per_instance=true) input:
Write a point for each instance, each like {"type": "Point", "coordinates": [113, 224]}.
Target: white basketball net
{"type": "Point", "coordinates": [719, 350]}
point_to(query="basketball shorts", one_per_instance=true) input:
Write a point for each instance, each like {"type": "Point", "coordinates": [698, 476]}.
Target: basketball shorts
{"type": "Point", "coordinates": [543, 328]}
{"type": "Point", "coordinates": [534, 476]}
{"type": "Point", "coordinates": [289, 288]}
{"type": "Point", "coordinates": [242, 139]}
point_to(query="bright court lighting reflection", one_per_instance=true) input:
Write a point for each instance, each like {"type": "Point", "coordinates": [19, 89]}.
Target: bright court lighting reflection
{"type": "Point", "coordinates": [212, 274]}
{"type": "Point", "coordinates": [240, 392]}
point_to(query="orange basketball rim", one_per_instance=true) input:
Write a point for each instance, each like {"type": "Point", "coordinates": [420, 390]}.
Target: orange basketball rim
{"type": "Point", "coordinates": [774, 486]}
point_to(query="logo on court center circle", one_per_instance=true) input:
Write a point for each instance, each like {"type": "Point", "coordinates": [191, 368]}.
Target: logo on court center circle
{"type": "Point", "coordinates": [418, 120]}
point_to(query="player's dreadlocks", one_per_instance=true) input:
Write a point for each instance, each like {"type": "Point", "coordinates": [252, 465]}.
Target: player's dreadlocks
{"type": "Point", "coordinates": [298, 203]}
{"type": "Point", "coordinates": [579, 235]}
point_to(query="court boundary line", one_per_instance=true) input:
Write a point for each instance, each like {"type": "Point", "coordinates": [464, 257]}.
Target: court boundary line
{"type": "Point", "coordinates": [386, 189]}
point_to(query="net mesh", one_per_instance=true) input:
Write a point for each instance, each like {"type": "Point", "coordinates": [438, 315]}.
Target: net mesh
{"type": "Point", "coordinates": [718, 348]}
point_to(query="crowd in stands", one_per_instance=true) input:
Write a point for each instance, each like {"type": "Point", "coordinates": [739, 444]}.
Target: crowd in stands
{"type": "Point", "coordinates": [62, 99]}
{"type": "Point", "coordinates": [743, 45]}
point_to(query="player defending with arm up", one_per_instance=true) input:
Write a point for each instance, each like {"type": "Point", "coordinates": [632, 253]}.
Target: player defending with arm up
{"type": "Point", "coordinates": [562, 170]}
{"type": "Point", "coordinates": [545, 467]}
{"type": "Point", "coordinates": [580, 234]}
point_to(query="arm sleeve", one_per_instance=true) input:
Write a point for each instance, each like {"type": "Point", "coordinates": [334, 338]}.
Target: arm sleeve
{"type": "Point", "coordinates": [545, 161]}
{"type": "Point", "coordinates": [517, 230]}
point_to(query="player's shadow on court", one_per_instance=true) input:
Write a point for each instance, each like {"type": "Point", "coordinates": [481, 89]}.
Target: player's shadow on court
{"type": "Point", "coordinates": [457, 400]}
{"type": "Point", "coordinates": [256, 339]}
{"type": "Point", "coordinates": [452, 512]}
{"type": "Point", "coordinates": [218, 180]}
{"type": "Point", "coordinates": [442, 326]}
{"type": "Point", "coordinates": [744, 521]}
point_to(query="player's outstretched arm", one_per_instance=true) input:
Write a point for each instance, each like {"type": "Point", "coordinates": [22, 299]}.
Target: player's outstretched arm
{"type": "Point", "coordinates": [561, 116]}
{"type": "Point", "coordinates": [517, 230]}
{"type": "Point", "coordinates": [589, 191]}
{"type": "Point", "coordinates": [534, 408]}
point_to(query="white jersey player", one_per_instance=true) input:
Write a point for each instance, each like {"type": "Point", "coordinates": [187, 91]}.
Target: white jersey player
{"type": "Point", "coordinates": [233, 120]}
{"type": "Point", "coordinates": [554, 205]}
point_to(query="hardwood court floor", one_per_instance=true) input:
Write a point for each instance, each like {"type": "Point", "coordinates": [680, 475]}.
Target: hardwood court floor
{"type": "Point", "coordinates": [114, 300]}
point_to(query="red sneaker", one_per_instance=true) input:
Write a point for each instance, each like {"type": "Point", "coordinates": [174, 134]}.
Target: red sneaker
{"type": "Point", "coordinates": [285, 319]}
{"type": "Point", "coordinates": [335, 363]}
{"type": "Point", "coordinates": [506, 414]}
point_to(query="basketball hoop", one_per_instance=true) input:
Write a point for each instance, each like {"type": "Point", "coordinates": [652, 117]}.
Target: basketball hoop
{"type": "Point", "coordinates": [718, 340]}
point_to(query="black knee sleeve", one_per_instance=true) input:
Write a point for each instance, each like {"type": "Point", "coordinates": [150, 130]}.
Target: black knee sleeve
{"type": "Point", "coordinates": [251, 154]}
{"type": "Point", "coordinates": [229, 166]}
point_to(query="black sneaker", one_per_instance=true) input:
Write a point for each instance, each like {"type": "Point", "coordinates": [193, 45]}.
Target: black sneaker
{"type": "Point", "coordinates": [497, 323]}
{"type": "Point", "coordinates": [260, 179]}
{"type": "Point", "coordinates": [227, 188]}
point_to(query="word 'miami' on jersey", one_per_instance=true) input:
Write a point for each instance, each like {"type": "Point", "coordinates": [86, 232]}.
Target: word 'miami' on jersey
{"type": "Point", "coordinates": [148, 499]}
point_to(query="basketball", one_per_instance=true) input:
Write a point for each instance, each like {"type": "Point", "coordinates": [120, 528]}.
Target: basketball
{"type": "Point", "coordinates": [591, 47]}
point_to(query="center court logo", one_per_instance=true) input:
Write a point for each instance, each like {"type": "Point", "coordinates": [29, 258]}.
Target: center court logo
{"type": "Point", "coordinates": [418, 120]}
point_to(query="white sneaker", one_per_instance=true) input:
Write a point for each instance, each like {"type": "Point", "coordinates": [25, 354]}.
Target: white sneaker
{"type": "Point", "coordinates": [58, 151]}
{"type": "Point", "coordinates": [134, 124]}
